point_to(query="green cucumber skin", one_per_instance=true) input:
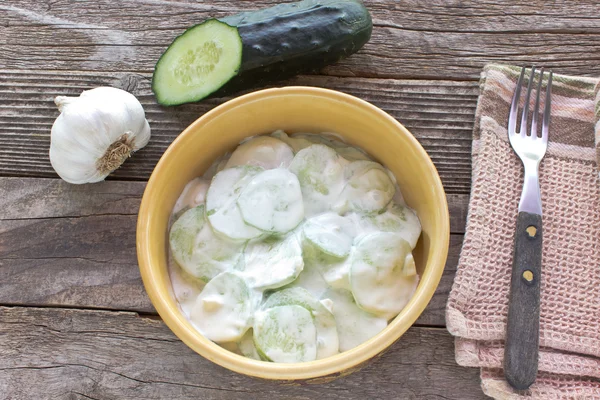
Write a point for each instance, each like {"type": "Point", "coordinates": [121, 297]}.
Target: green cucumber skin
{"type": "Point", "coordinates": [296, 38]}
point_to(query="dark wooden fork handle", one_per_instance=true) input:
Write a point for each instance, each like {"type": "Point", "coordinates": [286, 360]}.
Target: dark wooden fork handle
{"type": "Point", "coordinates": [522, 330]}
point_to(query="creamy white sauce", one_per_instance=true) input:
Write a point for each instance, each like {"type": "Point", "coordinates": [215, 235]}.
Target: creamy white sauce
{"type": "Point", "coordinates": [311, 279]}
{"type": "Point", "coordinates": [272, 201]}
{"type": "Point", "coordinates": [194, 194]}
{"type": "Point", "coordinates": [355, 326]}
{"type": "Point", "coordinates": [344, 198]}
{"type": "Point", "coordinates": [272, 264]}
{"type": "Point", "coordinates": [223, 311]}
{"type": "Point", "coordinates": [185, 288]}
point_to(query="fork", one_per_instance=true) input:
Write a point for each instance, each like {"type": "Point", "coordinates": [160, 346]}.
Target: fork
{"type": "Point", "coordinates": [522, 329]}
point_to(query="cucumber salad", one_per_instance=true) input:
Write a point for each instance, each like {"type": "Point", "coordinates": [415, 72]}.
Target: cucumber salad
{"type": "Point", "coordinates": [292, 248]}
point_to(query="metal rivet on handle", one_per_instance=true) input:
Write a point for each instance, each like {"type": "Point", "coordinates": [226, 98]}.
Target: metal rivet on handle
{"type": "Point", "coordinates": [528, 275]}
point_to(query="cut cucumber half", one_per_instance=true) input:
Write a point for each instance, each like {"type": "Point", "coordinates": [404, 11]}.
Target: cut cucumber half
{"type": "Point", "coordinates": [273, 262]}
{"type": "Point", "coordinates": [198, 63]}
{"type": "Point", "coordinates": [263, 151]}
{"type": "Point", "coordinates": [331, 233]}
{"type": "Point", "coordinates": [272, 201]}
{"type": "Point", "coordinates": [396, 218]}
{"type": "Point", "coordinates": [286, 334]}
{"type": "Point", "coordinates": [197, 250]}
{"type": "Point", "coordinates": [382, 274]}
{"type": "Point", "coordinates": [355, 326]}
{"type": "Point", "coordinates": [327, 334]}
{"type": "Point", "coordinates": [259, 47]}
{"type": "Point", "coordinates": [223, 310]}
{"type": "Point", "coordinates": [221, 203]}
{"type": "Point", "coordinates": [368, 189]}
{"type": "Point", "coordinates": [320, 171]}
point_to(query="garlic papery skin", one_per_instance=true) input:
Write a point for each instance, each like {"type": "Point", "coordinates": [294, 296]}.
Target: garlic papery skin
{"type": "Point", "coordinates": [95, 133]}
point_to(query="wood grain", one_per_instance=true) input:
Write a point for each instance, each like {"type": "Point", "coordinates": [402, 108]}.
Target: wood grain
{"type": "Point", "coordinates": [24, 198]}
{"type": "Point", "coordinates": [441, 40]}
{"type": "Point", "coordinates": [439, 113]}
{"type": "Point", "coordinates": [108, 355]}
{"type": "Point", "coordinates": [74, 246]}
{"type": "Point", "coordinates": [438, 39]}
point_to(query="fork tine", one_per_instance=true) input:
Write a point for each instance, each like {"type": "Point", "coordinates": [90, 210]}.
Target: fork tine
{"type": "Point", "coordinates": [514, 107]}
{"type": "Point", "coordinates": [523, 130]}
{"type": "Point", "coordinates": [536, 109]}
{"type": "Point", "coordinates": [547, 108]}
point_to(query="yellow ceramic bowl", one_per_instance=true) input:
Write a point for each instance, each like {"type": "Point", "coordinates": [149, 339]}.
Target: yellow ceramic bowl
{"type": "Point", "coordinates": [293, 109]}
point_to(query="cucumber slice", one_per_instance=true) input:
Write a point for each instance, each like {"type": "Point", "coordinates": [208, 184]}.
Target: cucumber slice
{"type": "Point", "coordinates": [286, 334]}
{"type": "Point", "coordinates": [348, 152]}
{"type": "Point", "coordinates": [272, 201]}
{"type": "Point", "coordinates": [334, 271]}
{"type": "Point", "coordinates": [310, 279]}
{"type": "Point", "coordinates": [197, 250]}
{"type": "Point", "coordinates": [342, 148]}
{"type": "Point", "coordinates": [381, 274]}
{"type": "Point", "coordinates": [295, 142]}
{"type": "Point", "coordinates": [223, 310]}
{"type": "Point", "coordinates": [355, 326]}
{"type": "Point", "coordinates": [320, 172]}
{"type": "Point", "coordinates": [352, 153]}
{"type": "Point", "coordinates": [263, 151]}
{"type": "Point", "coordinates": [396, 218]}
{"type": "Point", "coordinates": [217, 166]}
{"type": "Point", "coordinates": [301, 141]}
{"type": "Point", "coordinates": [272, 263]}
{"type": "Point", "coordinates": [369, 188]}
{"type": "Point", "coordinates": [197, 63]}
{"type": "Point", "coordinates": [331, 233]}
{"type": "Point", "coordinates": [194, 194]}
{"type": "Point", "coordinates": [221, 203]}
{"type": "Point", "coordinates": [327, 334]}
{"type": "Point", "coordinates": [247, 347]}
{"type": "Point", "coordinates": [186, 287]}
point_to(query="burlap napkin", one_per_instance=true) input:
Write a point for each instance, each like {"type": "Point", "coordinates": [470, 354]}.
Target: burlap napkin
{"type": "Point", "coordinates": [569, 363]}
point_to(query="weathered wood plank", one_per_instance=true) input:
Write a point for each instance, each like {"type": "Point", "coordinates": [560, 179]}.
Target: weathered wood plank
{"type": "Point", "coordinates": [110, 355]}
{"type": "Point", "coordinates": [31, 198]}
{"type": "Point", "coordinates": [439, 113]}
{"type": "Point", "coordinates": [82, 261]}
{"type": "Point", "coordinates": [438, 39]}
{"type": "Point", "coordinates": [74, 246]}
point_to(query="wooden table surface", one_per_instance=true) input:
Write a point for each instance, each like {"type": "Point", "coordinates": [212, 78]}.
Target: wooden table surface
{"type": "Point", "coordinates": [75, 322]}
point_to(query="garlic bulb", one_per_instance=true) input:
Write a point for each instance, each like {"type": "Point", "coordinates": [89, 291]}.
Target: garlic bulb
{"type": "Point", "coordinates": [95, 133]}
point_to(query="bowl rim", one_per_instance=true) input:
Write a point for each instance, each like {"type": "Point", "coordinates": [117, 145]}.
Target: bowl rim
{"type": "Point", "coordinates": [329, 366]}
